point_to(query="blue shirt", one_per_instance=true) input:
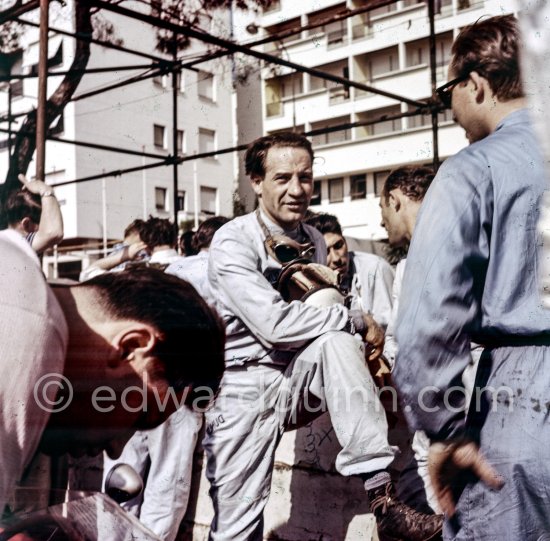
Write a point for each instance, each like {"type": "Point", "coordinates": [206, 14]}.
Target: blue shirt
{"type": "Point", "coordinates": [471, 271]}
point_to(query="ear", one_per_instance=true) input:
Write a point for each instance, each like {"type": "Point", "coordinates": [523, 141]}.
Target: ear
{"type": "Point", "coordinates": [28, 225]}
{"type": "Point", "coordinates": [138, 340]}
{"type": "Point", "coordinates": [480, 86]}
{"type": "Point", "coordinates": [257, 184]}
{"type": "Point", "coordinates": [394, 200]}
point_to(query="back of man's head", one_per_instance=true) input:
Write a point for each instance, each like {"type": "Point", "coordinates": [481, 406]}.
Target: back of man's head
{"type": "Point", "coordinates": [205, 232]}
{"type": "Point", "coordinates": [22, 204]}
{"type": "Point", "coordinates": [491, 48]}
{"type": "Point", "coordinates": [159, 232]}
{"type": "Point", "coordinates": [256, 152]}
{"type": "Point", "coordinates": [134, 228]}
{"type": "Point", "coordinates": [190, 350]}
{"type": "Point", "coordinates": [413, 181]}
{"type": "Point", "coordinates": [325, 223]}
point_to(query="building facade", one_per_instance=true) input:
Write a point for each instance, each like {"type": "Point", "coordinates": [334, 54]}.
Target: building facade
{"type": "Point", "coordinates": [137, 117]}
{"type": "Point", "coordinates": [386, 48]}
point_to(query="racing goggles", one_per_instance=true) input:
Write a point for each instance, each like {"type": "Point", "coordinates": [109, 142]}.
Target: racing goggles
{"type": "Point", "coordinates": [284, 249]}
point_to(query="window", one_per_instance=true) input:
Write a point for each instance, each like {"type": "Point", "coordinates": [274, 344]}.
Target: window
{"type": "Point", "coordinates": [379, 179]}
{"type": "Point", "coordinates": [358, 186]}
{"type": "Point", "coordinates": [337, 136]}
{"type": "Point", "coordinates": [180, 142]}
{"type": "Point", "coordinates": [159, 136]}
{"type": "Point", "coordinates": [316, 197]}
{"type": "Point", "coordinates": [379, 123]}
{"type": "Point", "coordinates": [208, 200]}
{"type": "Point", "coordinates": [205, 85]}
{"type": "Point", "coordinates": [336, 190]}
{"type": "Point", "coordinates": [207, 140]}
{"type": "Point", "coordinates": [382, 62]}
{"type": "Point", "coordinates": [161, 199]}
{"type": "Point", "coordinates": [181, 200]}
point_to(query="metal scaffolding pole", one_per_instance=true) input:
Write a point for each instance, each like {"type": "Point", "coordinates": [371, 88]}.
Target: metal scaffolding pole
{"type": "Point", "coordinates": [42, 91]}
{"type": "Point", "coordinates": [175, 80]}
{"type": "Point", "coordinates": [433, 78]}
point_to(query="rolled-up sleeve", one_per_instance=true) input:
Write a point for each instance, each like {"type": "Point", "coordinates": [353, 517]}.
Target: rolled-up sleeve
{"type": "Point", "coordinates": [442, 288]}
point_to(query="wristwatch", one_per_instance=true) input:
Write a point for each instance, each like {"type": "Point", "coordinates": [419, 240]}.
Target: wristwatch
{"type": "Point", "coordinates": [48, 193]}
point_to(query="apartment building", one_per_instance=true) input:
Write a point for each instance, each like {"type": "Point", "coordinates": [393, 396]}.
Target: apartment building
{"type": "Point", "coordinates": [386, 48]}
{"type": "Point", "coordinates": [137, 117]}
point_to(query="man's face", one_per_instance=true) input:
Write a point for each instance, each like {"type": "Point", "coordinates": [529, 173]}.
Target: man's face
{"type": "Point", "coordinates": [466, 111]}
{"type": "Point", "coordinates": [337, 252]}
{"type": "Point", "coordinates": [393, 220]}
{"type": "Point", "coordinates": [287, 187]}
{"type": "Point", "coordinates": [107, 392]}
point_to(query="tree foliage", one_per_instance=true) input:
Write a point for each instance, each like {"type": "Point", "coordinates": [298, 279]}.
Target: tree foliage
{"type": "Point", "coordinates": [87, 23]}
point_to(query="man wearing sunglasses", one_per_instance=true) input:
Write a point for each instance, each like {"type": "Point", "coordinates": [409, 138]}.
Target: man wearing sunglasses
{"type": "Point", "coordinates": [471, 276]}
{"type": "Point", "coordinates": [287, 362]}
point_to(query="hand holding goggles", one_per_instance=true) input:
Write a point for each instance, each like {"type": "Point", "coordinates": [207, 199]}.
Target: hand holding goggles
{"type": "Point", "coordinates": [284, 249]}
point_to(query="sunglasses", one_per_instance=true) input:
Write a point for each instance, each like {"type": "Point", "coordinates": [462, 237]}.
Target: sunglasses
{"type": "Point", "coordinates": [445, 92]}
{"type": "Point", "coordinates": [284, 249]}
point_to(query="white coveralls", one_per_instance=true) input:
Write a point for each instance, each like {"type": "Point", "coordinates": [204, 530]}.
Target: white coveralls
{"type": "Point", "coordinates": [286, 364]}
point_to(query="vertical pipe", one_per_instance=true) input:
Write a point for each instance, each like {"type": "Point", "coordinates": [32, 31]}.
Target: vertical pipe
{"type": "Point", "coordinates": [196, 193]}
{"type": "Point", "coordinates": [42, 91]}
{"type": "Point", "coordinates": [144, 185]}
{"type": "Point", "coordinates": [9, 119]}
{"type": "Point", "coordinates": [433, 74]}
{"type": "Point", "coordinates": [175, 71]}
{"type": "Point", "coordinates": [104, 214]}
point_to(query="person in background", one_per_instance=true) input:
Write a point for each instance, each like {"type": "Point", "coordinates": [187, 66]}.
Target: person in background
{"type": "Point", "coordinates": [132, 248]}
{"type": "Point", "coordinates": [160, 237]}
{"type": "Point", "coordinates": [34, 212]}
{"type": "Point", "coordinates": [194, 268]}
{"type": "Point", "coordinates": [367, 277]}
{"type": "Point", "coordinates": [186, 243]}
{"type": "Point", "coordinates": [164, 456]}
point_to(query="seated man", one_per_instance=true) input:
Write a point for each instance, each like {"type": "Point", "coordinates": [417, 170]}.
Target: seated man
{"type": "Point", "coordinates": [85, 365]}
{"type": "Point", "coordinates": [34, 213]}
{"type": "Point", "coordinates": [367, 277]}
{"type": "Point", "coordinates": [284, 359]}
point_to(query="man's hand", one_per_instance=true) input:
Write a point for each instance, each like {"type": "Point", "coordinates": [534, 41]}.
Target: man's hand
{"type": "Point", "coordinates": [447, 462]}
{"type": "Point", "coordinates": [34, 186]}
{"type": "Point", "coordinates": [130, 252]}
{"type": "Point", "coordinates": [374, 337]}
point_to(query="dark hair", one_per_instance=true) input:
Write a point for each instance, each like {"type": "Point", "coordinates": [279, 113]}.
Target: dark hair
{"type": "Point", "coordinates": [191, 348]}
{"type": "Point", "coordinates": [412, 180]}
{"type": "Point", "coordinates": [491, 47]}
{"type": "Point", "coordinates": [256, 153]}
{"type": "Point", "coordinates": [325, 223]}
{"type": "Point", "coordinates": [205, 232]}
{"type": "Point", "coordinates": [186, 243]}
{"type": "Point", "coordinates": [158, 231]}
{"type": "Point", "coordinates": [137, 226]}
{"type": "Point", "coordinates": [22, 204]}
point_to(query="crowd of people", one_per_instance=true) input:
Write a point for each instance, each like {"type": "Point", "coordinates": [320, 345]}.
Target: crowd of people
{"type": "Point", "coordinates": [231, 333]}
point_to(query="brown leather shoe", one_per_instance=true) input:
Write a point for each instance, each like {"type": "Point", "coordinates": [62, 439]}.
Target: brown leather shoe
{"type": "Point", "coordinates": [397, 521]}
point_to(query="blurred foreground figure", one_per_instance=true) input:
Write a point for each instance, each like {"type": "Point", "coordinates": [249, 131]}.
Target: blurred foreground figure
{"type": "Point", "coordinates": [82, 367]}
{"type": "Point", "coordinates": [471, 276]}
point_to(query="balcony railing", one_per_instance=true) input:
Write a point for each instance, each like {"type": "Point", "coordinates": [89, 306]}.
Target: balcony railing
{"type": "Point", "coordinates": [338, 94]}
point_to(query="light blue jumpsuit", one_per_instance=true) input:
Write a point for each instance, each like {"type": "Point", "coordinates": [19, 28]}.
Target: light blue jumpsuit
{"type": "Point", "coordinates": [472, 276]}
